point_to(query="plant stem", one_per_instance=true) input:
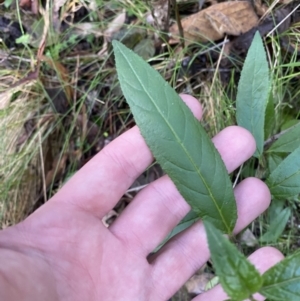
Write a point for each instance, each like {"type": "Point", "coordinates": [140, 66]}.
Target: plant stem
{"type": "Point", "coordinates": [178, 20]}
{"type": "Point", "coordinates": [275, 137]}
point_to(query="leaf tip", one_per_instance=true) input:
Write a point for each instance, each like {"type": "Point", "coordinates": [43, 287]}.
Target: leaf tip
{"type": "Point", "coordinates": [116, 45]}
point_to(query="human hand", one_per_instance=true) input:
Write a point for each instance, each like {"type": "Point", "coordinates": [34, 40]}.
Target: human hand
{"type": "Point", "coordinates": [64, 252]}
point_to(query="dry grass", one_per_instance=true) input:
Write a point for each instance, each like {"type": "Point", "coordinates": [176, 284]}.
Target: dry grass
{"type": "Point", "coordinates": [20, 165]}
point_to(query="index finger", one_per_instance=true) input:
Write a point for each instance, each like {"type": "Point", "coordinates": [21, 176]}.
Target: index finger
{"type": "Point", "coordinates": [99, 185]}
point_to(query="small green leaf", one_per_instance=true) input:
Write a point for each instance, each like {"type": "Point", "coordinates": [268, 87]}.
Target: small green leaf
{"type": "Point", "coordinates": [238, 277]}
{"type": "Point", "coordinates": [252, 95]}
{"type": "Point", "coordinates": [24, 39]}
{"type": "Point", "coordinates": [177, 140]}
{"type": "Point", "coordinates": [284, 181]}
{"type": "Point", "coordinates": [288, 142]}
{"type": "Point", "coordinates": [276, 227]}
{"type": "Point", "coordinates": [7, 3]}
{"type": "Point", "coordinates": [282, 281]}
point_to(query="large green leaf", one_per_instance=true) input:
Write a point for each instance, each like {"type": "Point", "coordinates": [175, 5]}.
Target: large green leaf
{"type": "Point", "coordinates": [284, 181]}
{"type": "Point", "coordinates": [252, 95]}
{"type": "Point", "coordinates": [177, 140]}
{"type": "Point", "coordinates": [282, 281]}
{"type": "Point", "coordinates": [238, 277]}
{"type": "Point", "coordinates": [288, 142]}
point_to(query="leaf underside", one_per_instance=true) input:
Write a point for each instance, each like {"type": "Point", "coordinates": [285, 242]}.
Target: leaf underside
{"type": "Point", "coordinates": [177, 140]}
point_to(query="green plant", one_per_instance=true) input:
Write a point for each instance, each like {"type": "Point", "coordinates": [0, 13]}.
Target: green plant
{"type": "Point", "coordinates": [163, 130]}
{"type": "Point", "coordinates": [175, 139]}
{"type": "Point", "coordinates": [240, 279]}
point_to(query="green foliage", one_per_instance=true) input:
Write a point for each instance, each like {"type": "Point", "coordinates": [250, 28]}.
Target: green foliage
{"type": "Point", "coordinates": [287, 142]}
{"type": "Point", "coordinates": [282, 282]}
{"type": "Point", "coordinates": [185, 152]}
{"type": "Point", "coordinates": [238, 276]}
{"type": "Point", "coordinates": [241, 280]}
{"type": "Point", "coordinates": [8, 3]}
{"type": "Point", "coordinates": [24, 39]}
{"type": "Point", "coordinates": [277, 225]}
{"type": "Point", "coordinates": [252, 96]}
{"type": "Point", "coordinates": [284, 181]}
{"type": "Point", "coordinates": [177, 140]}
{"type": "Point", "coordinates": [273, 161]}
{"type": "Point", "coordinates": [269, 118]}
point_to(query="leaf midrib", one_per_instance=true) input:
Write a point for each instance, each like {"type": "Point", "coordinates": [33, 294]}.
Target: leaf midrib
{"type": "Point", "coordinates": [285, 179]}
{"type": "Point", "coordinates": [297, 278]}
{"type": "Point", "coordinates": [178, 140]}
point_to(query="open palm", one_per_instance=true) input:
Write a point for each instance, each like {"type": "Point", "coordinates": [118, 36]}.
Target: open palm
{"type": "Point", "coordinates": [65, 252]}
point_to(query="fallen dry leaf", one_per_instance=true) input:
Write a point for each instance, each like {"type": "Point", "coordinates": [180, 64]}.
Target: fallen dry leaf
{"type": "Point", "coordinates": [197, 284]}
{"type": "Point", "coordinates": [109, 218]}
{"type": "Point", "coordinates": [57, 167]}
{"type": "Point", "coordinates": [115, 25]}
{"type": "Point", "coordinates": [248, 238]}
{"type": "Point", "coordinates": [212, 23]}
{"type": "Point", "coordinates": [32, 5]}
{"type": "Point", "coordinates": [63, 94]}
{"type": "Point", "coordinates": [30, 127]}
{"type": "Point", "coordinates": [57, 5]}
{"type": "Point", "coordinates": [276, 21]}
{"type": "Point", "coordinates": [260, 7]}
{"type": "Point", "coordinates": [160, 13]}
{"type": "Point", "coordinates": [30, 77]}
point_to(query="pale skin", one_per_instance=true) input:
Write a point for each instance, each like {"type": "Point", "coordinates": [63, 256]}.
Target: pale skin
{"type": "Point", "coordinates": [64, 252]}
